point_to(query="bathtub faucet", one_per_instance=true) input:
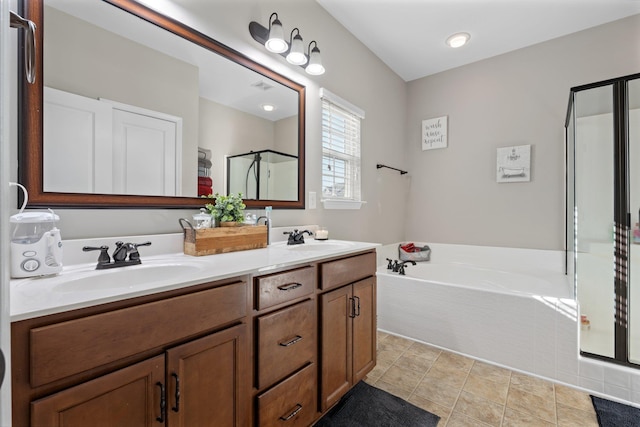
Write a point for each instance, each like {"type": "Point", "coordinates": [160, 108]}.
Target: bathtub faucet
{"type": "Point", "coordinates": [402, 265]}
{"type": "Point", "coordinates": [398, 266]}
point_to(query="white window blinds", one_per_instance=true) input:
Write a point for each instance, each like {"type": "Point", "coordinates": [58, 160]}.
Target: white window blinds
{"type": "Point", "coordinates": [340, 149]}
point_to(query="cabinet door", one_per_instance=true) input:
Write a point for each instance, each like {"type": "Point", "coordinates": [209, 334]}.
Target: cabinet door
{"type": "Point", "coordinates": [206, 381]}
{"type": "Point", "coordinates": [128, 397]}
{"type": "Point", "coordinates": [336, 311]}
{"type": "Point", "coordinates": [364, 328]}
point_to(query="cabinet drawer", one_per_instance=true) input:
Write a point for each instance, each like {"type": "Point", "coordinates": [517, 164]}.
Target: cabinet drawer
{"type": "Point", "coordinates": [281, 287]}
{"type": "Point", "coordinates": [286, 341]}
{"type": "Point", "coordinates": [290, 403]}
{"type": "Point", "coordinates": [67, 348]}
{"type": "Point", "coordinates": [347, 270]}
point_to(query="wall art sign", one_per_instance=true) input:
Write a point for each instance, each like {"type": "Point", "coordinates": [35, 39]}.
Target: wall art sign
{"type": "Point", "coordinates": [514, 164]}
{"type": "Point", "coordinates": [434, 133]}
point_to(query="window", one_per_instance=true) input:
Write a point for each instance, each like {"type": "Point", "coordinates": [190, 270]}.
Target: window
{"type": "Point", "coordinates": [340, 151]}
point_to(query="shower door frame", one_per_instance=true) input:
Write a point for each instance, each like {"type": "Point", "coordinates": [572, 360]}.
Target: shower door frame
{"type": "Point", "coordinates": [621, 211]}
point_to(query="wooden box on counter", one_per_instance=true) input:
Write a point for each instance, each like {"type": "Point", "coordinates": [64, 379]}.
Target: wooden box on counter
{"type": "Point", "coordinates": [209, 241]}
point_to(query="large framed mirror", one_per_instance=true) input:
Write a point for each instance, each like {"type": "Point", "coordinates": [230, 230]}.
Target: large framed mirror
{"type": "Point", "coordinates": [134, 109]}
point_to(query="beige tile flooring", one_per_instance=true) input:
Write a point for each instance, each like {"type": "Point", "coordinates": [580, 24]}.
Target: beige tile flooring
{"type": "Point", "coordinates": [466, 392]}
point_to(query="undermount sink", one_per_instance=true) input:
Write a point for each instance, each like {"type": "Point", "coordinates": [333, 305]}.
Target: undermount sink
{"type": "Point", "coordinates": [320, 245]}
{"type": "Point", "coordinates": [123, 277]}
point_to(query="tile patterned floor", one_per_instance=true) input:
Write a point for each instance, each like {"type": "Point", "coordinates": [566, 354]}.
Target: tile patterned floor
{"type": "Point", "coordinates": [466, 392]}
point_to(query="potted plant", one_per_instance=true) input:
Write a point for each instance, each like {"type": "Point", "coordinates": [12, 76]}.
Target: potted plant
{"type": "Point", "coordinates": [228, 211]}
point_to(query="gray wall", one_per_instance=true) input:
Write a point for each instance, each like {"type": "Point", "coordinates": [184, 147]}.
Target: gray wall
{"type": "Point", "coordinates": [513, 99]}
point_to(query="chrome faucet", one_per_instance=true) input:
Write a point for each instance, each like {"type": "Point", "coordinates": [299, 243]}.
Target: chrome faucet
{"type": "Point", "coordinates": [268, 224]}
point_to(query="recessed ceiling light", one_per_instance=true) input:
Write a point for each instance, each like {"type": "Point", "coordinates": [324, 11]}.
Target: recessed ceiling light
{"type": "Point", "coordinates": [458, 39]}
{"type": "Point", "coordinates": [268, 107]}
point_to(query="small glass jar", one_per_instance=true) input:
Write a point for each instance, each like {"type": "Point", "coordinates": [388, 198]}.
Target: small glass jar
{"type": "Point", "coordinates": [202, 219]}
{"type": "Point", "coordinates": [322, 234]}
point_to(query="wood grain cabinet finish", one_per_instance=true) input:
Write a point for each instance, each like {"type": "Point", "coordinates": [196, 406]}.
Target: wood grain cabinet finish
{"type": "Point", "coordinates": [63, 349]}
{"type": "Point", "coordinates": [286, 341]}
{"type": "Point", "coordinates": [347, 270]}
{"type": "Point", "coordinates": [190, 357]}
{"type": "Point", "coordinates": [177, 360]}
{"type": "Point", "coordinates": [205, 381]}
{"type": "Point", "coordinates": [290, 403]}
{"type": "Point", "coordinates": [202, 387]}
{"type": "Point", "coordinates": [348, 346]}
{"type": "Point", "coordinates": [282, 287]}
{"type": "Point", "coordinates": [128, 397]}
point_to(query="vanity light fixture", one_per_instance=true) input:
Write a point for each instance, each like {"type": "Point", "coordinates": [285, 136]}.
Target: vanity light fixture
{"type": "Point", "coordinates": [276, 42]}
{"type": "Point", "coordinates": [273, 40]}
{"type": "Point", "coordinates": [296, 54]}
{"type": "Point", "coordinates": [458, 39]}
{"type": "Point", "coordinates": [315, 67]}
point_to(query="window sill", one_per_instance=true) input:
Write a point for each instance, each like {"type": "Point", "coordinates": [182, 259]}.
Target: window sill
{"type": "Point", "coordinates": [341, 204]}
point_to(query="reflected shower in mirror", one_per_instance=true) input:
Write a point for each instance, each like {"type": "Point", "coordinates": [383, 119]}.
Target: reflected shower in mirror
{"type": "Point", "coordinates": [141, 116]}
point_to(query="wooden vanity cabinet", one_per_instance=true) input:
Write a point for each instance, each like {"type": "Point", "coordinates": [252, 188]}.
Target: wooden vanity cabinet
{"type": "Point", "coordinates": [348, 325]}
{"type": "Point", "coordinates": [269, 350]}
{"type": "Point", "coordinates": [285, 390]}
{"type": "Point", "coordinates": [174, 359]}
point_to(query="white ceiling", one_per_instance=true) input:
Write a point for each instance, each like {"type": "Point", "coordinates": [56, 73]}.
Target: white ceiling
{"type": "Point", "coordinates": [409, 35]}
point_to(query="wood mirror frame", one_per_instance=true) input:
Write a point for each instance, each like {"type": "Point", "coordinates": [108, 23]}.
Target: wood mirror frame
{"type": "Point", "coordinates": [30, 121]}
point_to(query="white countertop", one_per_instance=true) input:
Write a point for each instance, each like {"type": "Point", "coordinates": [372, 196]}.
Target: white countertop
{"type": "Point", "coordinates": [80, 285]}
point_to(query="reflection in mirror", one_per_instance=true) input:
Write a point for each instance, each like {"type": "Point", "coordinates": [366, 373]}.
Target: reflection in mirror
{"type": "Point", "coordinates": [263, 175]}
{"type": "Point", "coordinates": [132, 110]}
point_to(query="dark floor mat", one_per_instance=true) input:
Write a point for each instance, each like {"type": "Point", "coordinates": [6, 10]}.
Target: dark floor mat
{"type": "Point", "coordinates": [614, 414]}
{"type": "Point", "coordinates": [368, 406]}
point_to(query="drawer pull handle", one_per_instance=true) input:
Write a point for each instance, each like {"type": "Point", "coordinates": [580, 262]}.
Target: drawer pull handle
{"type": "Point", "coordinates": [290, 286]}
{"type": "Point", "coordinates": [357, 313]}
{"type": "Point", "coordinates": [163, 403]}
{"type": "Point", "coordinates": [291, 342]}
{"type": "Point", "coordinates": [177, 395]}
{"type": "Point", "coordinates": [352, 314]}
{"type": "Point", "coordinates": [292, 414]}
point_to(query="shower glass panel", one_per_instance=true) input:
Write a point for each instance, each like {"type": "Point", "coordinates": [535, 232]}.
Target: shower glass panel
{"type": "Point", "coordinates": [263, 175]}
{"type": "Point", "coordinates": [594, 213]}
{"type": "Point", "coordinates": [633, 106]}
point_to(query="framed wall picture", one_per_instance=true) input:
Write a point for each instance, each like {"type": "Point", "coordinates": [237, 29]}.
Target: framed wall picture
{"type": "Point", "coordinates": [514, 164]}
{"type": "Point", "coordinates": [434, 133]}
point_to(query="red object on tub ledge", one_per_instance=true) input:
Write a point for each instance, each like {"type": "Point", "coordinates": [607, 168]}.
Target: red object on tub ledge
{"type": "Point", "coordinates": [410, 247]}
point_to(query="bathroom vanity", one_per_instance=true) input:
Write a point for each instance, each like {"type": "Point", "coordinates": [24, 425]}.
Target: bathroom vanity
{"type": "Point", "coordinates": [266, 337]}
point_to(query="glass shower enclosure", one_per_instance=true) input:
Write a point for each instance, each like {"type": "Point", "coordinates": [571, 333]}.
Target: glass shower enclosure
{"type": "Point", "coordinates": [263, 175]}
{"type": "Point", "coordinates": [603, 216]}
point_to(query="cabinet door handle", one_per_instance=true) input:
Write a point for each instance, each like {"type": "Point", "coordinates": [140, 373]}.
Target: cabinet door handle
{"type": "Point", "coordinates": [297, 409]}
{"type": "Point", "coordinates": [357, 313]}
{"type": "Point", "coordinates": [177, 394]}
{"type": "Point", "coordinates": [163, 403]}
{"type": "Point", "coordinates": [353, 307]}
{"type": "Point", "coordinates": [289, 286]}
{"type": "Point", "coordinates": [291, 342]}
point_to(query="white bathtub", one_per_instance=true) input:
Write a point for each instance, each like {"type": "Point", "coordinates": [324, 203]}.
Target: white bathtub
{"type": "Point", "coordinates": [488, 279]}
{"type": "Point", "coordinates": [511, 307]}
